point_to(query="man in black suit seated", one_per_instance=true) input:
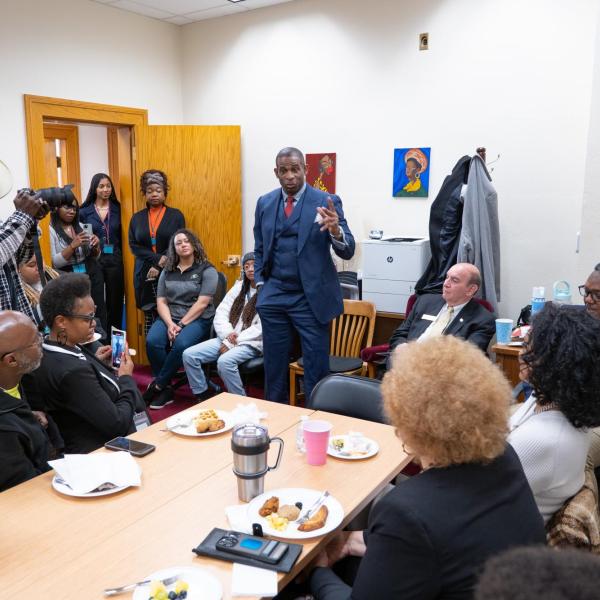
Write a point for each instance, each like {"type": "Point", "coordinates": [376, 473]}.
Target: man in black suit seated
{"type": "Point", "coordinates": [24, 445]}
{"type": "Point", "coordinates": [454, 312]}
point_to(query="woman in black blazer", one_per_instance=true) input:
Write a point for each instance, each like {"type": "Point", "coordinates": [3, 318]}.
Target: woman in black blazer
{"type": "Point", "coordinates": [88, 401]}
{"type": "Point", "coordinates": [431, 535]}
{"type": "Point", "coordinates": [150, 230]}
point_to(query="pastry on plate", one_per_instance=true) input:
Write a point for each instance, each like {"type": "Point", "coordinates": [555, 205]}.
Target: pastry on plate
{"type": "Point", "coordinates": [290, 511]}
{"type": "Point", "coordinates": [316, 521]}
{"type": "Point", "coordinates": [270, 506]}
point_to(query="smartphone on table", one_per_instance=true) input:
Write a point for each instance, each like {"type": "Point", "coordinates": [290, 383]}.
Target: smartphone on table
{"type": "Point", "coordinates": [134, 447]}
{"type": "Point", "coordinates": [118, 338]}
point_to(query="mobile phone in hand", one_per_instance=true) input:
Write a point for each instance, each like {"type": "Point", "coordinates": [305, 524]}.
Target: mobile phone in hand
{"type": "Point", "coordinates": [118, 337]}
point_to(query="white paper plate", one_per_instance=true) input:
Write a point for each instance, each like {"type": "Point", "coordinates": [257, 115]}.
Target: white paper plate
{"type": "Point", "coordinates": [189, 429]}
{"type": "Point", "coordinates": [290, 496]}
{"type": "Point", "coordinates": [203, 584]}
{"type": "Point", "coordinates": [373, 449]}
{"type": "Point", "coordinates": [63, 488]}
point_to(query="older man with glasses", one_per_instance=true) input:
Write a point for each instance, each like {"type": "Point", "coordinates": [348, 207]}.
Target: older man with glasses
{"type": "Point", "coordinates": [590, 291]}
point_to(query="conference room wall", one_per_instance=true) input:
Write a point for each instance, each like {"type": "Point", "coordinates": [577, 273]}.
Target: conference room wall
{"type": "Point", "coordinates": [347, 77]}
{"type": "Point", "coordinates": [82, 51]}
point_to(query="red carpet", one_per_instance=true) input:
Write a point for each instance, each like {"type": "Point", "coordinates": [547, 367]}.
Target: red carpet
{"type": "Point", "coordinates": [184, 398]}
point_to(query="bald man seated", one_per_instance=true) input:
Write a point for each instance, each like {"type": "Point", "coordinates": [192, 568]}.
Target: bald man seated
{"type": "Point", "coordinates": [454, 312]}
{"type": "Point", "coordinates": [590, 291]}
{"type": "Point", "coordinates": [24, 444]}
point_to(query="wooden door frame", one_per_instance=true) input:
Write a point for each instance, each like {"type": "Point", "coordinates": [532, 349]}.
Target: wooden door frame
{"type": "Point", "coordinates": [38, 108]}
{"type": "Point", "coordinates": [69, 133]}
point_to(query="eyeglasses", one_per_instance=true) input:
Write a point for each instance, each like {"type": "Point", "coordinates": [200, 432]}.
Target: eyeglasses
{"type": "Point", "coordinates": [585, 291]}
{"type": "Point", "coordinates": [37, 342]}
{"type": "Point", "coordinates": [88, 318]}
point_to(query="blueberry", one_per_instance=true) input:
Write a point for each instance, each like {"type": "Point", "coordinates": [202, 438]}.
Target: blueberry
{"type": "Point", "coordinates": [183, 594]}
{"type": "Point", "coordinates": [299, 505]}
{"type": "Point", "coordinates": [172, 596]}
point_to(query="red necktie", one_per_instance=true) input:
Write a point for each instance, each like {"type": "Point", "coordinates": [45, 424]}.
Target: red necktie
{"type": "Point", "coordinates": [289, 206]}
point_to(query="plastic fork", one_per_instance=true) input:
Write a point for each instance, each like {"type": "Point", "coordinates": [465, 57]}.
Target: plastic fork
{"type": "Point", "coordinates": [313, 508]}
{"type": "Point", "coordinates": [131, 586]}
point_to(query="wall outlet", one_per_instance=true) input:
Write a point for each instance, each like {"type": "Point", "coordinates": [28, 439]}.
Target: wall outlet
{"type": "Point", "coordinates": [423, 41]}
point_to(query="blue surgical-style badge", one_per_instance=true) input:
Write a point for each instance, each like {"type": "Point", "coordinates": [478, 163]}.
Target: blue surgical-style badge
{"type": "Point", "coordinates": [80, 268]}
{"type": "Point", "coordinates": [108, 249]}
{"type": "Point", "coordinates": [153, 241]}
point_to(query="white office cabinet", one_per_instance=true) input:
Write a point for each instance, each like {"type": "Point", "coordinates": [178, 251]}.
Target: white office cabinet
{"type": "Point", "coordinates": [391, 267]}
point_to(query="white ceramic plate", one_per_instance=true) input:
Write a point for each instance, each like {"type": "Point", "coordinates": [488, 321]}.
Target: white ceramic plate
{"type": "Point", "coordinates": [290, 496]}
{"type": "Point", "coordinates": [186, 419]}
{"type": "Point", "coordinates": [373, 449]}
{"type": "Point", "coordinates": [203, 584]}
{"type": "Point", "coordinates": [63, 488]}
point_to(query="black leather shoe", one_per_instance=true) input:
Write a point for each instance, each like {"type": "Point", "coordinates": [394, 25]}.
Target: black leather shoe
{"type": "Point", "coordinates": [150, 392]}
{"type": "Point", "coordinates": [212, 390]}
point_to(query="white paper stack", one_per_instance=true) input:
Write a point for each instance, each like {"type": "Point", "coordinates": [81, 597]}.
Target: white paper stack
{"type": "Point", "coordinates": [84, 473]}
{"type": "Point", "coordinates": [252, 581]}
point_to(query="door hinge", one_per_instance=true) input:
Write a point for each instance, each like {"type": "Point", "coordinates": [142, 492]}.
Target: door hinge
{"type": "Point", "coordinates": [140, 329]}
{"type": "Point", "coordinates": [58, 162]}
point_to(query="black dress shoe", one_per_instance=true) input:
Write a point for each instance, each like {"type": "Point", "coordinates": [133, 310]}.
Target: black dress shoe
{"type": "Point", "coordinates": [212, 390]}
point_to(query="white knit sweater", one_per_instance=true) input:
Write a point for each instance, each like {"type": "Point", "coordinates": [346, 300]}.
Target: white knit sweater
{"type": "Point", "coordinates": [553, 454]}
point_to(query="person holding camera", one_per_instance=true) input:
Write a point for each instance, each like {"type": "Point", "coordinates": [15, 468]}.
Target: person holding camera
{"type": "Point", "coordinates": [76, 250]}
{"type": "Point", "coordinates": [16, 246]}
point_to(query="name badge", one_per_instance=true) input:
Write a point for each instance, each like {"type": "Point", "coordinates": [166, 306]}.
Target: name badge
{"type": "Point", "coordinates": [141, 421]}
{"type": "Point", "coordinates": [108, 249]}
{"type": "Point", "coordinates": [429, 317]}
{"type": "Point", "coordinates": [80, 268]}
{"type": "Point", "coordinates": [153, 241]}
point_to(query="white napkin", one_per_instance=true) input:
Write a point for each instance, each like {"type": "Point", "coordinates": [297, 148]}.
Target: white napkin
{"type": "Point", "coordinates": [252, 581]}
{"type": "Point", "coordinates": [237, 516]}
{"type": "Point", "coordinates": [247, 413]}
{"type": "Point", "coordinates": [86, 472]}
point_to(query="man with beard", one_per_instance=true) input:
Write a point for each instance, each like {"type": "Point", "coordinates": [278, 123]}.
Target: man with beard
{"type": "Point", "coordinates": [24, 444]}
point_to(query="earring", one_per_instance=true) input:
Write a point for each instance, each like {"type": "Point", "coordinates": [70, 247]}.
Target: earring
{"type": "Point", "coordinates": [61, 337]}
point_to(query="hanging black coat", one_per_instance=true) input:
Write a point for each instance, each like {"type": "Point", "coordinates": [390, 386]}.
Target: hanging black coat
{"type": "Point", "coordinates": [445, 224]}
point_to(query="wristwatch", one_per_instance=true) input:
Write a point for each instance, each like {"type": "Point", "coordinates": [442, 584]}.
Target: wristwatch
{"type": "Point", "coordinates": [182, 325]}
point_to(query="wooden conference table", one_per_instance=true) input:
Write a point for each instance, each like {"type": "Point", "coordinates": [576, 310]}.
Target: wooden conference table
{"type": "Point", "coordinates": [55, 546]}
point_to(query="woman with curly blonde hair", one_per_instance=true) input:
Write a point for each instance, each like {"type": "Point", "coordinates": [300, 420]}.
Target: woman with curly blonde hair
{"type": "Point", "coordinates": [430, 536]}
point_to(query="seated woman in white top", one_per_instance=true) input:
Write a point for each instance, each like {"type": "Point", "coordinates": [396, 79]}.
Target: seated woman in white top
{"type": "Point", "coordinates": [549, 432]}
{"type": "Point", "coordinates": [239, 337]}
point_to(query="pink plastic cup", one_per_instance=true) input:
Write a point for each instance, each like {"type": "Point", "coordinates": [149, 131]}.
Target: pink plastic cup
{"type": "Point", "coordinates": [316, 439]}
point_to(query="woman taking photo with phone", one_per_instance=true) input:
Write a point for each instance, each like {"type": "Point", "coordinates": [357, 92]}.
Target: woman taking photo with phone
{"type": "Point", "coordinates": [102, 211]}
{"type": "Point", "coordinates": [150, 230]}
{"type": "Point", "coordinates": [89, 403]}
{"type": "Point", "coordinates": [75, 250]}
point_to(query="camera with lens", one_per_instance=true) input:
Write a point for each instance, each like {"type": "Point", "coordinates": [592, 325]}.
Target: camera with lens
{"type": "Point", "coordinates": [55, 196]}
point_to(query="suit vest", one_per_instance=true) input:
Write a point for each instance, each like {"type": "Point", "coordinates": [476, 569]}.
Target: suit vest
{"type": "Point", "coordinates": [285, 249]}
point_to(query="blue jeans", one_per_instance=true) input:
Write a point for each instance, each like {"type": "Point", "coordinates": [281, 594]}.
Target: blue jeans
{"type": "Point", "coordinates": [227, 365]}
{"type": "Point", "coordinates": [165, 360]}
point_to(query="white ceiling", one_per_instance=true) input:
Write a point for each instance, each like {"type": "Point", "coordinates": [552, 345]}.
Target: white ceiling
{"type": "Point", "coordinates": [182, 12]}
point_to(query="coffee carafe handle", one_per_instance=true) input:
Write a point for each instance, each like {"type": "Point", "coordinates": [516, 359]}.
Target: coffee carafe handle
{"type": "Point", "coordinates": [279, 453]}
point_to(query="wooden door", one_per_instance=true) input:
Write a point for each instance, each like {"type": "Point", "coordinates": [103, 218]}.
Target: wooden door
{"type": "Point", "coordinates": [67, 156]}
{"type": "Point", "coordinates": [203, 165]}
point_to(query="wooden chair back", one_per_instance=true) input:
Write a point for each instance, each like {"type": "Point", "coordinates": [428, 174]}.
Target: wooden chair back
{"type": "Point", "coordinates": [353, 329]}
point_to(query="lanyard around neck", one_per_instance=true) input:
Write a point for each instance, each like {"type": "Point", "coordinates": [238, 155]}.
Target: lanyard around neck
{"type": "Point", "coordinates": [154, 225]}
{"type": "Point", "coordinates": [105, 223]}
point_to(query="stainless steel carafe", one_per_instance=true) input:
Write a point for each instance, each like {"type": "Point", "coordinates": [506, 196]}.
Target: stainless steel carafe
{"type": "Point", "coordinates": [250, 444]}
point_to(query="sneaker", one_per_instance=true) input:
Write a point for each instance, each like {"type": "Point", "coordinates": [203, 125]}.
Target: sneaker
{"type": "Point", "coordinates": [212, 390]}
{"type": "Point", "coordinates": [162, 398]}
{"type": "Point", "coordinates": [150, 392]}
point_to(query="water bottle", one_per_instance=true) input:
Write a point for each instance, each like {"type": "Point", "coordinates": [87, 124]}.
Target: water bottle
{"type": "Point", "coordinates": [300, 434]}
{"type": "Point", "coordinates": [561, 292]}
{"type": "Point", "coordinates": [538, 299]}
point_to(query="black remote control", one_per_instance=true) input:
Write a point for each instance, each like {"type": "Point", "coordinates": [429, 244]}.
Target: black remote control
{"type": "Point", "coordinates": [265, 550]}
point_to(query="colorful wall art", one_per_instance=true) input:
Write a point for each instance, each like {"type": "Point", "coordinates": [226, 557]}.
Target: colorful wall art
{"type": "Point", "coordinates": [321, 171]}
{"type": "Point", "coordinates": [411, 172]}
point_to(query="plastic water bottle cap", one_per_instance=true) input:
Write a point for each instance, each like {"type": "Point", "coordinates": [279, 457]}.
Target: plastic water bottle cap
{"type": "Point", "coordinates": [539, 292]}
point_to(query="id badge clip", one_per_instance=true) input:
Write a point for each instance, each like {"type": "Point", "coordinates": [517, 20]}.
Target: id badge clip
{"type": "Point", "coordinates": [108, 249]}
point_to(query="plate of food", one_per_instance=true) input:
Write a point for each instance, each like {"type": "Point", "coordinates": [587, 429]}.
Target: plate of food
{"type": "Point", "coordinates": [352, 446]}
{"type": "Point", "coordinates": [279, 512]}
{"type": "Point", "coordinates": [191, 583]}
{"type": "Point", "coordinates": [200, 423]}
{"type": "Point", "coordinates": [61, 486]}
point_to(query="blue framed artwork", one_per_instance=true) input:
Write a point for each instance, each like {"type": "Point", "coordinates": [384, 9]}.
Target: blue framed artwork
{"type": "Point", "coordinates": [411, 172]}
